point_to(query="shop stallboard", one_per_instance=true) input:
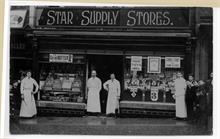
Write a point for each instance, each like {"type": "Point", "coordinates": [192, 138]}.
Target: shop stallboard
{"type": "Point", "coordinates": [113, 17]}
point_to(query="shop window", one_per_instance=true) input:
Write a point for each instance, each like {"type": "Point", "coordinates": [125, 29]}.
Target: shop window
{"type": "Point", "coordinates": [62, 81]}
{"type": "Point", "coordinates": [152, 86]}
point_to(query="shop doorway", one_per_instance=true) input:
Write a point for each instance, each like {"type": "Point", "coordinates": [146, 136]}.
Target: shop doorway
{"type": "Point", "coordinates": [104, 66]}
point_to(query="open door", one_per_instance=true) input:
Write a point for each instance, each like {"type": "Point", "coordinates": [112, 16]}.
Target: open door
{"type": "Point", "coordinates": [104, 66]}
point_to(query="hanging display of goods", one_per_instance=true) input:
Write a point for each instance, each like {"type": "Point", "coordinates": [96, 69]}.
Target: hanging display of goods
{"type": "Point", "coordinates": [66, 85]}
{"type": "Point", "coordinates": [76, 89]}
{"type": "Point", "coordinates": [79, 99]}
{"type": "Point", "coordinates": [57, 85]}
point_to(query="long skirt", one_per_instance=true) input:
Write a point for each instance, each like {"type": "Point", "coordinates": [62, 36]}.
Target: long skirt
{"type": "Point", "coordinates": [181, 107]}
{"type": "Point", "coordinates": [28, 106]}
{"type": "Point", "coordinates": [112, 103]}
{"type": "Point", "coordinates": [93, 102]}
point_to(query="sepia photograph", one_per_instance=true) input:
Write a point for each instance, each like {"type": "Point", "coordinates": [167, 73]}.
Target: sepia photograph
{"type": "Point", "coordinates": [110, 70]}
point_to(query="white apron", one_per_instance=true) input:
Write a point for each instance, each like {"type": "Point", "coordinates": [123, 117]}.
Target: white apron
{"type": "Point", "coordinates": [113, 88]}
{"type": "Point", "coordinates": [93, 101]}
{"type": "Point", "coordinates": [180, 87]}
{"type": "Point", "coordinates": [28, 106]}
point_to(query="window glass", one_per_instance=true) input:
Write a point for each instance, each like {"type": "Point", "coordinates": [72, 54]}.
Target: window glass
{"type": "Point", "coordinates": [137, 82]}
{"type": "Point", "coordinates": [62, 81]}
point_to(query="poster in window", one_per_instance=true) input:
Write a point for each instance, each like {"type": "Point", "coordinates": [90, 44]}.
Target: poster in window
{"type": "Point", "coordinates": [136, 63]}
{"type": "Point", "coordinates": [154, 65]}
{"type": "Point", "coordinates": [61, 58]}
{"type": "Point", "coordinates": [172, 62]}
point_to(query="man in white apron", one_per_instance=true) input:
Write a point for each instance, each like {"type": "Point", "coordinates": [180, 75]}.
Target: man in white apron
{"type": "Point", "coordinates": [94, 86]}
{"type": "Point", "coordinates": [180, 89]}
{"type": "Point", "coordinates": [114, 90]}
{"type": "Point", "coordinates": [28, 106]}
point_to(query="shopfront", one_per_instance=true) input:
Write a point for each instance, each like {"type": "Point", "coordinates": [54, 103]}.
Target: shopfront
{"type": "Point", "coordinates": [144, 46]}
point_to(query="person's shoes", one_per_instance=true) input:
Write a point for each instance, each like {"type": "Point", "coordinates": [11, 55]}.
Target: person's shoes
{"type": "Point", "coordinates": [181, 119]}
{"type": "Point", "coordinates": [110, 115]}
{"type": "Point", "coordinates": [177, 118]}
{"type": "Point", "coordinates": [35, 116]}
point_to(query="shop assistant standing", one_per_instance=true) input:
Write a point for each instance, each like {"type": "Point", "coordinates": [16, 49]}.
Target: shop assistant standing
{"type": "Point", "coordinates": [28, 106]}
{"type": "Point", "coordinates": [94, 86]}
{"type": "Point", "coordinates": [180, 89]}
{"type": "Point", "coordinates": [190, 96]}
{"type": "Point", "coordinates": [114, 90]}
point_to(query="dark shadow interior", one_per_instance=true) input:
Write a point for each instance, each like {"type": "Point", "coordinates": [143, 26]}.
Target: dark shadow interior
{"type": "Point", "coordinates": [104, 66]}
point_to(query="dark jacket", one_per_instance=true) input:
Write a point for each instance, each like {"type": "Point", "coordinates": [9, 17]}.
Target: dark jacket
{"type": "Point", "coordinates": [202, 100]}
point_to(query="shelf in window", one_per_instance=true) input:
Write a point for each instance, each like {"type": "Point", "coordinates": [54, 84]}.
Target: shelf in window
{"type": "Point", "coordinates": [63, 91]}
{"type": "Point", "coordinates": [75, 63]}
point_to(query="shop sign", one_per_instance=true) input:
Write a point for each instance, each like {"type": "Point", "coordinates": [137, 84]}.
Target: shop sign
{"type": "Point", "coordinates": [154, 65]}
{"type": "Point", "coordinates": [136, 63]}
{"type": "Point", "coordinates": [172, 62]}
{"type": "Point", "coordinates": [61, 58]}
{"type": "Point", "coordinates": [17, 18]}
{"type": "Point", "coordinates": [113, 17]}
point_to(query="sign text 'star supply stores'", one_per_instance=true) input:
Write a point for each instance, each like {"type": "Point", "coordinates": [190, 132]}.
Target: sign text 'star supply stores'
{"type": "Point", "coordinates": [113, 17]}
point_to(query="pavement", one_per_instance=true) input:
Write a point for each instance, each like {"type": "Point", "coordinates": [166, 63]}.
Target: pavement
{"type": "Point", "coordinates": [101, 125]}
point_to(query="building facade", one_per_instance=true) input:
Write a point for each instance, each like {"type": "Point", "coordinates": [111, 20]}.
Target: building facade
{"type": "Point", "coordinates": [144, 46]}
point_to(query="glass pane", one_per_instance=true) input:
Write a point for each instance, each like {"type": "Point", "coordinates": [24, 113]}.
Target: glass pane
{"type": "Point", "coordinates": [62, 81]}
{"type": "Point", "coordinates": [141, 85]}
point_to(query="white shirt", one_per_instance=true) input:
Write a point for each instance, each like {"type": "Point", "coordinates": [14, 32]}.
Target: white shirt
{"type": "Point", "coordinates": [112, 86]}
{"type": "Point", "coordinates": [94, 83]}
{"type": "Point", "coordinates": [27, 84]}
{"type": "Point", "coordinates": [180, 86]}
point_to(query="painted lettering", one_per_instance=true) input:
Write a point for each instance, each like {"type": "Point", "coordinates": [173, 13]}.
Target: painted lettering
{"type": "Point", "coordinates": [99, 17]}
{"type": "Point", "coordinates": [51, 19]}
{"type": "Point", "coordinates": [167, 18]}
{"type": "Point", "coordinates": [85, 20]}
{"type": "Point", "coordinates": [131, 20]}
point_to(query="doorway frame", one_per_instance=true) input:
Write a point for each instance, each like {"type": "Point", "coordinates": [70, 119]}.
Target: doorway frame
{"type": "Point", "coordinates": [104, 54]}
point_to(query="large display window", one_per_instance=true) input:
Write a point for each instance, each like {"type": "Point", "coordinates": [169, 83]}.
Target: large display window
{"type": "Point", "coordinates": [150, 78]}
{"type": "Point", "coordinates": [62, 78]}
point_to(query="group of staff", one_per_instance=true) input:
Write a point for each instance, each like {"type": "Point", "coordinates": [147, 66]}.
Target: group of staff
{"type": "Point", "coordinates": [193, 99]}
{"type": "Point", "coordinates": [29, 87]}
{"type": "Point", "coordinates": [94, 85]}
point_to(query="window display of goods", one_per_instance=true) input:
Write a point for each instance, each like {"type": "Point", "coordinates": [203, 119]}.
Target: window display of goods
{"type": "Point", "coordinates": [146, 84]}
{"type": "Point", "coordinates": [66, 85]}
{"type": "Point", "coordinates": [49, 83]}
{"type": "Point", "coordinates": [41, 84]}
{"type": "Point", "coordinates": [57, 84]}
{"type": "Point", "coordinates": [73, 99]}
{"type": "Point", "coordinates": [76, 83]}
{"type": "Point", "coordinates": [59, 98]}
{"type": "Point", "coordinates": [79, 99]}
{"type": "Point", "coordinates": [65, 99]}
{"type": "Point", "coordinates": [44, 97]}
{"type": "Point", "coordinates": [76, 89]}
{"type": "Point", "coordinates": [55, 93]}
